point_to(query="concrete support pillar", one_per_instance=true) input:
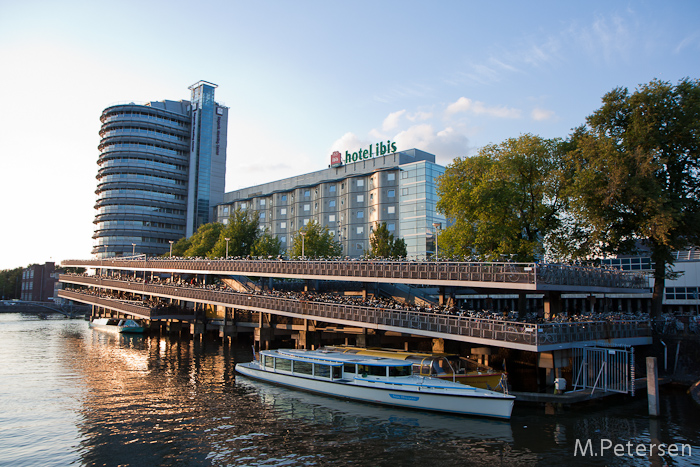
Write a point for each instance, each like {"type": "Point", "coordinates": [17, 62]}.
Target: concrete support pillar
{"type": "Point", "coordinates": [367, 339]}
{"type": "Point", "coordinates": [653, 386]}
{"type": "Point", "coordinates": [522, 304]}
{"type": "Point", "coordinates": [197, 328]}
{"type": "Point", "coordinates": [441, 296]}
{"type": "Point", "coordinates": [552, 304]}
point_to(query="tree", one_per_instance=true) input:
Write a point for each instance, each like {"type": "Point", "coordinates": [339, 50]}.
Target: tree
{"type": "Point", "coordinates": [10, 283]}
{"type": "Point", "coordinates": [317, 242]}
{"type": "Point", "coordinates": [636, 164]}
{"type": "Point", "coordinates": [203, 241]}
{"type": "Point", "coordinates": [383, 244]}
{"type": "Point", "coordinates": [505, 200]}
{"type": "Point", "coordinates": [267, 245]}
{"type": "Point", "coordinates": [243, 230]}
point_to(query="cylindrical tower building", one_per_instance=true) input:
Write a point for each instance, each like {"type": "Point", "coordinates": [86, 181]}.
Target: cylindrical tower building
{"type": "Point", "coordinates": [142, 178]}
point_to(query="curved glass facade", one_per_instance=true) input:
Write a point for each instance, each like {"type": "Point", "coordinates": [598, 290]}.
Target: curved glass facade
{"type": "Point", "coordinates": [142, 178]}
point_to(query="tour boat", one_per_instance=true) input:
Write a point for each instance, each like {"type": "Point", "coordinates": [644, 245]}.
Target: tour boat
{"type": "Point", "coordinates": [439, 365]}
{"type": "Point", "coordinates": [374, 379]}
{"type": "Point", "coordinates": [117, 325]}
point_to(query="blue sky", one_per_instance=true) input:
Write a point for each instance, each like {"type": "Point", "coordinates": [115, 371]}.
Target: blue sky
{"type": "Point", "coordinates": [302, 79]}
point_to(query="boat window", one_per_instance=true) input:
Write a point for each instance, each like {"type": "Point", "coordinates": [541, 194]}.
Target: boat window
{"type": "Point", "coordinates": [400, 370]}
{"type": "Point", "coordinates": [349, 368]}
{"type": "Point", "coordinates": [337, 372]}
{"type": "Point", "coordinates": [372, 370]}
{"type": "Point", "coordinates": [322, 371]}
{"type": "Point", "coordinates": [283, 364]}
{"type": "Point", "coordinates": [302, 367]}
{"type": "Point", "coordinates": [268, 361]}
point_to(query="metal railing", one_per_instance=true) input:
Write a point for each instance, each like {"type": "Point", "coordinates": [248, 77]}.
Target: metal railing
{"type": "Point", "coordinates": [557, 275]}
{"type": "Point", "coordinates": [506, 333]}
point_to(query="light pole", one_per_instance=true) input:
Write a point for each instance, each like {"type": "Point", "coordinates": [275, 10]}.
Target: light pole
{"type": "Point", "coordinates": [133, 249]}
{"type": "Point", "coordinates": [227, 239]}
{"type": "Point", "coordinates": [436, 226]}
{"type": "Point", "coordinates": [302, 243]}
{"type": "Point", "coordinates": [171, 247]}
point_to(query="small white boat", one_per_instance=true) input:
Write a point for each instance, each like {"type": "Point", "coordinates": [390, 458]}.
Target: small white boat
{"type": "Point", "coordinates": [374, 379]}
{"type": "Point", "coordinates": [117, 325]}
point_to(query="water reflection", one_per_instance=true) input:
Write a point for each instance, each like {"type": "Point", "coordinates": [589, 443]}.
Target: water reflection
{"type": "Point", "coordinates": [78, 396]}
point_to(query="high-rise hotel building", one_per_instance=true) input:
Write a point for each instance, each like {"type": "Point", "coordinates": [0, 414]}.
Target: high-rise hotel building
{"type": "Point", "coordinates": [161, 173]}
{"type": "Point", "coordinates": [350, 198]}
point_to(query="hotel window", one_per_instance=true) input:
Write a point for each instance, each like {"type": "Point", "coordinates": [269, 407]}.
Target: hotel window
{"type": "Point", "coordinates": [262, 202]}
{"type": "Point", "coordinates": [358, 246]}
{"type": "Point", "coordinates": [331, 218]}
{"type": "Point", "coordinates": [391, 209]}
{"type": "Point", "coordinates": [391, 227]}
{"type": "Point", "coordinates": [360, 230]}
{"type": "Point", "coordinates": [391, 193]}
{"type": "Point", "coordinates": [283, 239]}
{"type": "Point", "coordinates": [283, 225]}
{"type": "Point", "coordinates": [283, 211]}
{"type": "Point", "coordinates": [306, 221]}
{"type": "Point", "coordinates": [331, 188]}
{"type": "Point", "coordinates": [307, 207]}
{"type": "Point", "coordinates": [262, 215]}
{"type": "Point", "coordinates": [225, 210]}
{"type": "Point", "coordinates": [244, 205]}
{"type": "Point", "coordinates": [331, 204]}
{"type": "Point", "coordinates": [360, 183]}
{"type": "Point", "coordinates": [224, 221]}
{"type": "Point", "coordinates": [360, 198]}
{"type": "Point", "coordinates": [360, 214]}
{"type": "Point", "coordinates": [390, 177]}
{"type": "Point", "coordinates": [307, 193]}
{"type": "Point", "coordinates": [284, 197]}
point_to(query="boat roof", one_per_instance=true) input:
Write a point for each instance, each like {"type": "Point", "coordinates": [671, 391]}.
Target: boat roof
{"type": "Point", "coordinates": [390, 353]}
{"type": "Point", "coordinates": [334, 357]}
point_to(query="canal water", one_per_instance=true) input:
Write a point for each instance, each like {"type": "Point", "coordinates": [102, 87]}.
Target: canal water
{"type": "Point", "coordinates": [70, 395]}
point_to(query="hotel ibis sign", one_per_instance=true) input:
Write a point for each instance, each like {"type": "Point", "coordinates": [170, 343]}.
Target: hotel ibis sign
{"type": "Point", "coordinates": [374, 150]}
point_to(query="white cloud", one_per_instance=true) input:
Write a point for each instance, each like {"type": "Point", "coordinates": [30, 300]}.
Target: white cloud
{"type": "Point", "coordinates": [419, 116]}
{"type": "Point", "coordinates": [464, 104]}
{"type": "Point", "coordinates": [392, 121]}
{"type": "Point", "coordinates": [445, 144]}
{"type": "Point", "coordinates": [542, 114]}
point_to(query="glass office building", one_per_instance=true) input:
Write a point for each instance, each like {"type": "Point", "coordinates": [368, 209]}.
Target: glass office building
{"type": "Point", "coordinates": [161, 172]}
{"type": "Point", "coordinates": [351, 199]}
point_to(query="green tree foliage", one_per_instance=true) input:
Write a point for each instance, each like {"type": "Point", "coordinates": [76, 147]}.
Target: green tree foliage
{"type": "Point", "coordinates": [503, 201]}
{"type": "Point", "coordinates": [180, 247]}
{"type": "Point", "coordinates": [383, 244]}
{"type": "Point", "coordinates": [10, 283]}
{"type": "Point", "coordinates": [317, 242]}
{"type": "Point", "coordinates": [243, 230]}
{"type": "Point", "coordinates": [267, 245]}
{"type": "Point", "coordinates": [636, 164]}
{"type": "Point", "coordinates": [203, 241]}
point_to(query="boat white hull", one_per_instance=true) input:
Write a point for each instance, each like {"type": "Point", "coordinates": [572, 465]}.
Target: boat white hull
{"type": "Point", "coordinates": [448, 400]}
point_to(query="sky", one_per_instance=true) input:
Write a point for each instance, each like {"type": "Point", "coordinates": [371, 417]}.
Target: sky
{"type": "Point", "coordinates": [302, 79]}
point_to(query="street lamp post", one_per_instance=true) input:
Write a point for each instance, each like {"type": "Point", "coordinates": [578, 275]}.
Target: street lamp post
{"type": "Point", "coordinates": [302, 243]}
{"type": "Point", "coordinates": [133, 249]}
{"type": "Point", "coordinates": [171, 247]}
{"type": "Point", "coordinates": [227, 239]}
{"type": "Point", "coordinates": [436, 226]}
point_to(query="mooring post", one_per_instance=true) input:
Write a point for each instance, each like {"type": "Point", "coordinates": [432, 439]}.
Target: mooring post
{"type": "Point", "coordinates": [652, 386]}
